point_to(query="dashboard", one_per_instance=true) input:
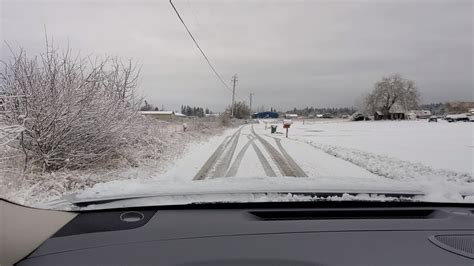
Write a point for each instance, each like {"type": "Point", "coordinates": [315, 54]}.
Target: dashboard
{"type": "Point", "coordinates": [318, 233]}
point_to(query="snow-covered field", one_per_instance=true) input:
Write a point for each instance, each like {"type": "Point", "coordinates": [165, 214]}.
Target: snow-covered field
{"type": "Point", "coordinates": [434, 159]}
{"type": "Point", "coordinates": [242, 163]}
{"type": "Point", "coordinates": [439, 145]}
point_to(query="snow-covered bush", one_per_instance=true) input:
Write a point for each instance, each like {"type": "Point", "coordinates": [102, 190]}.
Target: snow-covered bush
{"type": "Point", "coordinates": [74, 112]}
{"type": "Point", "coordinates": [224, 119]}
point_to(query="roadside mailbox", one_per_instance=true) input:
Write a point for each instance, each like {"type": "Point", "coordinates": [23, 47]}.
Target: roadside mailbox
{"type": "Point", "coordinates": [273, 129]}
{"type": "Point", "coordinates": [286, 125]}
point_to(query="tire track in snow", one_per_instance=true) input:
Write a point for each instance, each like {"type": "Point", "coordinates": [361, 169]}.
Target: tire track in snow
{"type": "Point", "coordinates": [224, 164]}
{"type": "Point", "coordinates": [265, 164]}
{"type": "Point", "coordinates": [297, 169]}
{"type": "Point", "coordinates": [280, 161]}
{"type": "Point", "coordinates": [210, 164]}
{"type": "Point", "coordinates": [238, 159]}
{"type": "Point", "coordinates": [204, 171]}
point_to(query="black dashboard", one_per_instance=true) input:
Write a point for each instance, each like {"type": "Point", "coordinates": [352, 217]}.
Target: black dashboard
{"type": "Point", "coordinates": [316, 233]}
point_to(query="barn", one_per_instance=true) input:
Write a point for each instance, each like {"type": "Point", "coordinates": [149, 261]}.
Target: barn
{"type": "Point", "coordinates": [396, 112]}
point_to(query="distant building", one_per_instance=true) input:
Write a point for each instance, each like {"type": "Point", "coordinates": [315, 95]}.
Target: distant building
{"type": "Point", "coordinates": [291, 116]}
{"type": "Point", "coordinates": [396, 112]}
{"type": "Point", "coordinates": [418, 114]}
{"type": "Point", "coordinates": [162, 115]}
{"type": "Point", "coordinates": [265, 115]}
{"type": "Point", "coordinates": [423, 114]}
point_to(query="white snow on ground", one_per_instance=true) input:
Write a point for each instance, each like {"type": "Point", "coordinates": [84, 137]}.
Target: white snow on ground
{"type": "Point", "coordinates": [397, 150]}
{"type": "Point", "coordinates": [192, 159]}
{"type": "Point", "coordinates": [439, 145]}
{"type": "Point", "coordinates": [391, 167]}
{"type": "Point", "coordinates": [251, 165]}
{"type": "Point", "coordinates": [434, 159]}
{"type": "Point", "coordinates": [316, 163]}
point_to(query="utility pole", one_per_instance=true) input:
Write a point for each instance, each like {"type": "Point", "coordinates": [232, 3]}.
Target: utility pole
{"type": "Point", "coordinates": [234, 81]}
{"type": "Point", "coordinates": [251, 103]}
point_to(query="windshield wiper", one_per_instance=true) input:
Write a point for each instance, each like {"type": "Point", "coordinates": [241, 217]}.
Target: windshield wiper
{"type": "Point", "coordinates": [227, 196]}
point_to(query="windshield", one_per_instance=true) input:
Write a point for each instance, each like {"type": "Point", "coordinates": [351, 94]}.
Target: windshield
{"type": "Point", "coordinates": [188, 101]}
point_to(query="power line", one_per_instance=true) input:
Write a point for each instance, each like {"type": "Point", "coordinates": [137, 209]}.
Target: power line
{"type": "Point", "coordinates": [199, 47]}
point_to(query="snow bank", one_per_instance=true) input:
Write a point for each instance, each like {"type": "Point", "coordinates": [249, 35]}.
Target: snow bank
{"type": "Point", "coordinates": [439, 145]}
{"type": "Point", "coordinates": [391, 167]}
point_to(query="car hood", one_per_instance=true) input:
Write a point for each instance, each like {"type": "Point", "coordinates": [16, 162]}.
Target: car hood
{"type": "Point", "coordinates": [152, 192]}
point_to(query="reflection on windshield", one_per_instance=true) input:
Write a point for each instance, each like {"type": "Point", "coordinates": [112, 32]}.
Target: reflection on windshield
{"type": "Point", "coordinates": [190, 101]}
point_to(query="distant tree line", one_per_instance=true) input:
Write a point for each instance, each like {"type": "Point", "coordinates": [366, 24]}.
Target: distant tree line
{"type": "Point", "coordinates": [313, 111]}
{"type": "Point", "coordinates": [149, 107]}
{"type": "Point", "coordinates": [194, 111]}
{"type": "Point", "coordinates": [264, 109]}
{"type": "Point", "coordinates": [454, 107]}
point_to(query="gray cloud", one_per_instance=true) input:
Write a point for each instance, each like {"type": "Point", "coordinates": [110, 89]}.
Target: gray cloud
{"type": "Point", "coordinates": [290, 53]}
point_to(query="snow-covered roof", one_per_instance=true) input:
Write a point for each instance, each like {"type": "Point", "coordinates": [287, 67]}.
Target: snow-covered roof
{"type": "Point", "coordinates": [156, 112]}
{"type": "Point", "coordinates": [180, 114]}
{"type": "Point", "coordinates": [456, 116]}
{"type": "Point", "coordinates": [397, 108]}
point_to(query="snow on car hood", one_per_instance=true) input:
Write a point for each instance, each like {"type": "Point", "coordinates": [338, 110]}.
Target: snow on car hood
{"type": "Point", "coordinates": [130, 193]}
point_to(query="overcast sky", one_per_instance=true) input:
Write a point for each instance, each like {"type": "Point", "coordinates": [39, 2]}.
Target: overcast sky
{"type": "Point", "coordinates": [289, 53]}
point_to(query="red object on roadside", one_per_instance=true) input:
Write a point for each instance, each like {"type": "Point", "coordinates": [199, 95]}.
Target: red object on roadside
{"type": "Point", "coordinates": [286, 124]}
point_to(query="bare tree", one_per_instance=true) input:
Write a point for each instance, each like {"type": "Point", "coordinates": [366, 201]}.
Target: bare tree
{"type": "Point", "coordinates": [390, 91]}
{"type": "Point", "coordinates": [74, 112]}
{"type": "Point", "coordinates": [147, 107]}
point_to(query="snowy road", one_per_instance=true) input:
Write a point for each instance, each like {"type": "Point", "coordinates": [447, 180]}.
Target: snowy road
{"type": "Point", "coordinates": [226, 161]}
{"type": "Point", "coordinates": [253, 151]}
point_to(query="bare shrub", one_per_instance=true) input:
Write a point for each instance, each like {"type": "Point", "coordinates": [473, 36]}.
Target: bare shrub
{"type": "Point", "coordinates": [241, 110]}
{"type": "Point", "coordinates": [224, 119]}
{"type": "Point", "coordinates": [75, 112]}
